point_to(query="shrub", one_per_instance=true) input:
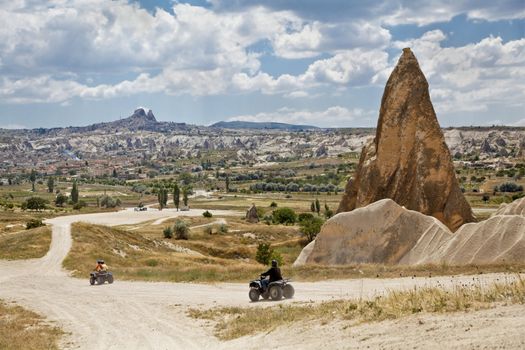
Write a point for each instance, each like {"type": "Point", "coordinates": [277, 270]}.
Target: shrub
{"type": "Point", "coordinates": [264, 253]}
{"type": "Point", "coordinates": [152, 262]}
{"type": "Point", "coordinates": [181, 230]}
{"type": "Point", "coordinates": [273, 205]}
{"type": "Point", "coordinates": [60, 199]}
{"type": "Point", "coordinates": [509, 187]}
{"type": "Point", "coordinates": [284, 216]}
{"type": "Point", "coordinates": [223, 228]}
{"type": "Point", "coordinates": [207, 214]}
{"type": "Point", "coordinates": [79, 205]}
{"type": "Point", "coordinates": [34, 203]}
{"type": "Point", "coordinates": [168, 232]}
{"type": "Point", "coordinates": [311, 227]}
{"type": "Point", "coordinates": [33, 223]}
{"type": "Point", "coordinates": [304, 216]}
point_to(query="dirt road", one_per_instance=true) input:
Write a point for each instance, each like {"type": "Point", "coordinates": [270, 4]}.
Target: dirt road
{"type": "Point", "coordinates": [144, 315]}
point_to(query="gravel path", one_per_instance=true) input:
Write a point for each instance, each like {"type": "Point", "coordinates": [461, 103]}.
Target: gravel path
{"type": "Point", "coordinates": [147, 315]}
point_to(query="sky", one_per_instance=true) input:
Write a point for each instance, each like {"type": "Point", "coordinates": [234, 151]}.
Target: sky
{"type": "Point", "coordinates": [316, 62]}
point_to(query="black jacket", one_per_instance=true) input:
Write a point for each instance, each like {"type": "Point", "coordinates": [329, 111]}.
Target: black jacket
{"type": "Point", "coordinates": [274, 273]}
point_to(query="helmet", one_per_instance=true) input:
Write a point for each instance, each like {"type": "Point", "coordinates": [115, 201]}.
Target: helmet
{"type": "Point", "coordinates": [100, 261]}
{"type": "Point", "coordinates": [274, 263]}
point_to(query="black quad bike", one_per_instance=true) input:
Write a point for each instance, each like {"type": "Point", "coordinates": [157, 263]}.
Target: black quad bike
{"type": "Point", "coordinates": [275, 290]}
{"type": "Point", "coordinates": [100, 277]}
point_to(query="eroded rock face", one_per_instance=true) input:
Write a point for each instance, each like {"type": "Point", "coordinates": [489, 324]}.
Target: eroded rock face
{"type": "Point", "coordinates": [408, 161]}
{"type": "Point", "coordinates": [380, 233]}
{"type": "Point", "coordinates": [386, 233]}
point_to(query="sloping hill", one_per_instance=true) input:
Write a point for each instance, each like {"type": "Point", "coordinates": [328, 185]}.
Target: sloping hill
{"type": "Point", "coordinates": [261, 125]}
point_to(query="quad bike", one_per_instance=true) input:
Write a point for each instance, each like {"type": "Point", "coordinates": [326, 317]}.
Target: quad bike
{"type": "Point", "coordinates": [100, 277]}
{"type": "Point", "coordinates": [275, 290]}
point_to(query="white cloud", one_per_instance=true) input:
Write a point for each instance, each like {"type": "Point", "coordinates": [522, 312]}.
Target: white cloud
{"type": "Point", "coordinates": [391, 12]}
{"type": "Point", "coordinates": [474, 76]}
{"type": "Point", "coordinates": [330, 117]}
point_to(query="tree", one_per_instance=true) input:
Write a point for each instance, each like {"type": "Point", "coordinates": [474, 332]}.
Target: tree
{"type": "Point", "coordinates": [227, 183]}
{"type": "Point", "coordinates": [51, 184]}
{"type": "Point", "coordinates": [35, 203]}
{"type": "Point", "coordinates": [176, 196]}
{"type": "Point", "coordinates": [162, 197]}
{"type": "Point", "coordinates": [485, 198]}
{"type": "Point", "coordinates": [311, 226]}
{"type": "Point", "coordinates": [74, 192]}
{"type": "Point", "coordinates": [115, 173]}
{"type": "Point", "coordinates": [284, 216]}
{"type": "Point", "coordinates": [328, 213]}
{"type": "Point", "coordinates": [108, 202]}
{"type": "Point", "coordinates": [60, 199]}
{"type": "Point", "coordinates": [32, 178]}
{"type": "Point", "coordinates": [312, 207]}
{"type": "Point", "coordinates": [317, 206]}
{"type": "Point", "coordinates": [185, 193]}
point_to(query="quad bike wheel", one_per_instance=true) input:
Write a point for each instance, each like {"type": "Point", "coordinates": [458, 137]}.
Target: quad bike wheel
{"type": "Point", "coordinates": [276, 293]}
{"type": "Point", "coordinates": [92, 280]}
{"type": "Point", "coordinates": [288, 291]}
{"type": "Point", "coordinates": [254, 294]}
{"type": "Point", "coordinates": [265, 295]}
{"type": "Point", "coordinates": [110, 279]}
{"type": "Point", "coordinates": [100, 280]}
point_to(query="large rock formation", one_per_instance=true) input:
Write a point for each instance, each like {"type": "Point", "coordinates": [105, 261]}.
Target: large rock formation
{"type": "Point", "coordinates": [380, 233]}
{"type": "Point", "coordinates": [407, 237]}
{"type": "Point", "coordinates": [408, 161]}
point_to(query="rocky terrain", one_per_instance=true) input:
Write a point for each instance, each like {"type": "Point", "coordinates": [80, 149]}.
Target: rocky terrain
{"type": "Point", "coordinates": [141, 138]}
{"type": "Point", "coordinates": [408, 237]}
{"type": "Point", "coordinates": [408, 159]}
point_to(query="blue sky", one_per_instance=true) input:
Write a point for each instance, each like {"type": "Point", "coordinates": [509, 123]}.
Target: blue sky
{"type": "Point", "coordinates": [76, 62]}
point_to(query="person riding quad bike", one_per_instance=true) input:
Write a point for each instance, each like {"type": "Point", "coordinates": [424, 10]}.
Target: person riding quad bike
{"type": "Point", "coordinates": [101, 274]}
{"type": "Point", "coordinates": [274, 274]}
{"type": "Point", "coordinates": [101, 266]}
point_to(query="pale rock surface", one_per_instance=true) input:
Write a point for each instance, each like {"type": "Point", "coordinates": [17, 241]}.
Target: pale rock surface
{"type": "Point", "coordinates": [386, 233]}
{"type": "Point", "coordinates": [515, 208]}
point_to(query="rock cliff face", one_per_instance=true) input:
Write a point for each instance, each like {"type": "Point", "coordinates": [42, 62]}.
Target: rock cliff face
{"type": "Point", "coordinates": [408, 161]}
{"type": "Point", "coordinates": [407, 237]}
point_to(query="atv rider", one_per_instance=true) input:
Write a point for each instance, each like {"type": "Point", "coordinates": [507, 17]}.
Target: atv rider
{"type": "Point", "coordinates": [101, 266]}
{"type": "Point", "coordinates": [275, 275]}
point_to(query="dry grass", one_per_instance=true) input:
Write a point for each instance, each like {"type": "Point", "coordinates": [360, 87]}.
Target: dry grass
{"type": "Point", "coordinates": [24, 329]}
{"type": "Point", "coordinates": [26, 244]}
{"type": "Point", "coordinates": [235, 322]}
{"type": "Point", "coordinates": [132, 256]}
{"type": "Point", "coordinates": [144, 254]}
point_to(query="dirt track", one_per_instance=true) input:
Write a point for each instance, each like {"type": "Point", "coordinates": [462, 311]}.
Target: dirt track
{"type": "Point", "coordinates": [143, 315]}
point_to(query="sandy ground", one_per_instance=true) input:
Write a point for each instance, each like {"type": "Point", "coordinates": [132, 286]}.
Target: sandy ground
{"type": "Point", "coordinates": [147, 315]}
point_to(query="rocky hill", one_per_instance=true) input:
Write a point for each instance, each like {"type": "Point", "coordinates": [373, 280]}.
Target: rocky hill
{"type": "Point", "coordinates": [141, 137]}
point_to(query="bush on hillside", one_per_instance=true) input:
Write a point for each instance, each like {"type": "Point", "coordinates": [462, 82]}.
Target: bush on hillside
{"type": "Point", "coordinates": [284, 216]}
{"type": "Point", "coordinates": [34, 223]}
{"type": "Point", "coordinates": [181, 230]}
